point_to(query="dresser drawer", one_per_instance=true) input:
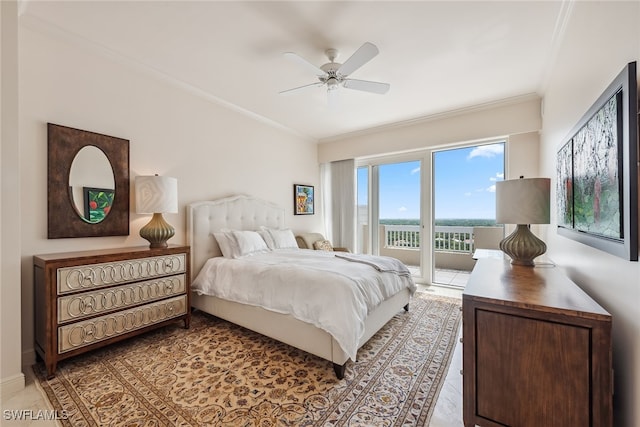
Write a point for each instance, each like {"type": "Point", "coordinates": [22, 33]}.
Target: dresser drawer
{"type": "Point", "coordinates": [78, 306]}
{"type": "Point", "coordinates": [91, 276]}
{"type": "Point", "coordinates": [87, 332]}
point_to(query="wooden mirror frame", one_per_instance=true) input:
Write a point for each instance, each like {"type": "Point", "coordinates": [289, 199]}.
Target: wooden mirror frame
{"type": "Point", "coordinates": [63, 144]}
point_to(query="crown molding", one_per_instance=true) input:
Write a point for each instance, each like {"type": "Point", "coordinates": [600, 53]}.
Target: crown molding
{"type": "Point", "coordinates": [51, 30]}
{"type": "Point", "coordinates": [435, 117]}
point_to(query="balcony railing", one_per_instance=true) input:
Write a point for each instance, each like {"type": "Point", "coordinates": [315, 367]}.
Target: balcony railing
{"type": "Point", "coordinates": [453, 239]}
{"type": "Point", "coordinates": [447, 238]}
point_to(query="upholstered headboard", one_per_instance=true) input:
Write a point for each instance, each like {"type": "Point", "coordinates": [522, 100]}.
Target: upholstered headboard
{"type": "Point", "coordinates": [233, 213]}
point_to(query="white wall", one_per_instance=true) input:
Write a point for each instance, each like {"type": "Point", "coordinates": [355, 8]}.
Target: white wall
{"type": "Point", "coordinates": [211, 150]}
{"type": "Point", "coordinates": [601, 38]}
{"type": "Point", "coordinates": [501, 119]}
{"type": "Point", "coordinates": [11, 377]}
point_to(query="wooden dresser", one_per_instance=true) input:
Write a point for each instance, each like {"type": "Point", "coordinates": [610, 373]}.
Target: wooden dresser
{"type": "Point", "coordinates": [85, 300]}
{"type": "Point", "coordinates": [536, 350]}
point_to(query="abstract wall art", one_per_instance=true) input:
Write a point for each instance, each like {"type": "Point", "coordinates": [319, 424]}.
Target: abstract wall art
{"type": "Point", "coordinates": [597, 174]}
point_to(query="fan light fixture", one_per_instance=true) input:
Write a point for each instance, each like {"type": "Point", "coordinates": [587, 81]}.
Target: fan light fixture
{"type": "Point", "coordinates": [333, 74]}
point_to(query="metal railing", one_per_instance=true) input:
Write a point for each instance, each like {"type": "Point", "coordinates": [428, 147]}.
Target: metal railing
{"type": "Point", "coordinates": [446, 238]}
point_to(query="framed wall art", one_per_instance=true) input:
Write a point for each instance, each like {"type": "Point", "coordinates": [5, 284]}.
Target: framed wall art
{"type": "Point", "coordinates": [303, 199]}
{"type": "Point", "coordinates": [597, 173]}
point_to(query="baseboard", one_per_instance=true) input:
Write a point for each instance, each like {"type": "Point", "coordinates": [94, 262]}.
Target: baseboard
{"type": "Point", "coordinates": [12, 385]}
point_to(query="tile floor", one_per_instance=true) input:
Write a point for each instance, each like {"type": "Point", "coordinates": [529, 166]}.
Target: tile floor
{"type": "Point", "coordinates": [448, 409]}
{"type": "Point", "coordinates": [452, 277]}
{"type": "Point", "coordinates": [28, 404]}
{"type": "Point", "coordinates": [446, 278]}
{"type": "Point", "coordinates": [447, 412]}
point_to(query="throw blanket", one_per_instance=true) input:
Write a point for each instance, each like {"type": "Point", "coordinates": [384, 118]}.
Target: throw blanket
{"type": "Point", "coordinates": [380, 263]}
{"type": "Point", "coordinates": [312, 286]}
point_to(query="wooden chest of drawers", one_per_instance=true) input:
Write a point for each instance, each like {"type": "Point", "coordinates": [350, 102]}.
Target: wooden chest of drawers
{"type": "Point", "coordinates": [536, 350]}
{"type": "Point", "coordinates": [85, 300]}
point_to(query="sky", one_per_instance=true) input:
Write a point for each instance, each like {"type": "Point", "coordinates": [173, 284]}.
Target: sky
{"type": "Point", "coordinates": [464, 183]}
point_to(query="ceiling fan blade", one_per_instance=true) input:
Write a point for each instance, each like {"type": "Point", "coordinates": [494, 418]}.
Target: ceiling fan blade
{"type": "Point", "coordinates": [364, 54]}
{"type": "Point", "coordinates": [299, 88]}
{"type": "Point", "coordinates": [300, 60]}
{"type": "Point", "coordinates": [367, 86]}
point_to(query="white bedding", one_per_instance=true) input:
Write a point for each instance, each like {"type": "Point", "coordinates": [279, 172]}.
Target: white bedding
{"type": "Point", "coordinates": [316, 287]}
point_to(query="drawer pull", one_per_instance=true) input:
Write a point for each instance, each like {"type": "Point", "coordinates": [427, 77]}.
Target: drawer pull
{"type": "Point", "coordinates": [86, 306]}
{"type": "Point", "coordinates": [169, 264]}
{"type": "Point", "coordinates": [460, 339]}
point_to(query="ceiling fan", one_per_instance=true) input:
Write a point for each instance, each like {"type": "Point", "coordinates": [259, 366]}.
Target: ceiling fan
{"type": "Point", "coordinates": [333, 75]}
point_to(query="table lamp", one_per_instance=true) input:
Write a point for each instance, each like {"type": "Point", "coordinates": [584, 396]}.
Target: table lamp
{"type": "Point", "coordinates": [156, 195]}
{"type": "Point", "coordinates": [523, 202]}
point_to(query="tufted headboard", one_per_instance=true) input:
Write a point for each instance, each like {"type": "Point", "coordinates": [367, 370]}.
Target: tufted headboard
{"type": "Point", "coordinates": [233, 213]}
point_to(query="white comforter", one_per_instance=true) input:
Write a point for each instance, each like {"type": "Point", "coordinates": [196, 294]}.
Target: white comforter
{"type": "Point", "coordinates": [316, 287]}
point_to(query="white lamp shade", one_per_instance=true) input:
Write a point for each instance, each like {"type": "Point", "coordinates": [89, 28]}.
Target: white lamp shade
{"type": "Point", "coordinates": [523, 201]}
{"type": "Point", "coordinates": [156, 194]}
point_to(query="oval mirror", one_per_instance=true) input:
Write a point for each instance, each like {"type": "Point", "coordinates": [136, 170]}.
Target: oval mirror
{"type": "Point", "coordinates": [91, 184]}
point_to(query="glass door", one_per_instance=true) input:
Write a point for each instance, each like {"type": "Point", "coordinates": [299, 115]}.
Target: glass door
{"type": "Point", "coordinates": [400, 213]}
{"type": "Point", "coordinates": [464, 185]}
{"type": "Point", "coordinates": [390, 211]}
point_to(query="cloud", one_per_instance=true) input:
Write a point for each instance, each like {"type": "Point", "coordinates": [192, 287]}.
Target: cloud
{"type": "Point", "coordinates": [488, 151]}
{"type": "Point", "coordinates": [467, 194]}
{"type": "Point", "coordinates": [402, 209]}
{"type": "Point", "coordinates": [415, 171]}
{"type": "Point", "coordinates": [499, 176]}
{"type": "Point", "coordinates": [491, 189]}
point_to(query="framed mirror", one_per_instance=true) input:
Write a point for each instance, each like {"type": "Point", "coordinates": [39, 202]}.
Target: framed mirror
{"type": "Point", "coordinates": [87, 183]}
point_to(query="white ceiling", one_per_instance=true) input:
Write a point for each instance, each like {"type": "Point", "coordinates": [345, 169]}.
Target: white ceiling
{"type": "Point", "coordinates": [438, 56]}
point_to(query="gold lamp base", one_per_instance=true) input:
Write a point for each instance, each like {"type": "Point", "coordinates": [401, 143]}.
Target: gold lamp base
{"type": "Point", "coordinates": [157, 232]}
{"type": "Point", "coordinates": [522, 246]}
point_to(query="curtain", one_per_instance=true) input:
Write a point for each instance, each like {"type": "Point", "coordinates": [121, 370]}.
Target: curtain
{"type": "Point", "coordinates": [339, 202]}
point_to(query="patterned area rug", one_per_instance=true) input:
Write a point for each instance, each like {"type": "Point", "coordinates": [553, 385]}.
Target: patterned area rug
{"type": "Point", "coordinates": [219, 374]}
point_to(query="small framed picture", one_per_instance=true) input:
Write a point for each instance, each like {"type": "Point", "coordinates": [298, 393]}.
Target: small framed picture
{"type": "Point", "coordinates": [97, 203]}
{"type": "Point", "coordinates": [303, 199]}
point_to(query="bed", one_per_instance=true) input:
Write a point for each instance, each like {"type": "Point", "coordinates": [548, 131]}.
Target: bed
{"type": "Point", "coordinates": [241, 212]}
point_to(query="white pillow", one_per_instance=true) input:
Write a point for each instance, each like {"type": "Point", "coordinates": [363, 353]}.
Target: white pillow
{"type": "Point", "coordinates": [227, 243]}
{"type": "Point", "coordinates": [283, 239]}
{"type": "Point", "coordinates": [266, 236]}
{"type": "Point", "coordinates": [249, 243]}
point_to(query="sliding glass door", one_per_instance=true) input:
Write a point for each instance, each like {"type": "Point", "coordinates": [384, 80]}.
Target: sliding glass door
{"type": "Point", "coordinates": [390, 211]}
{"type": "Point", "coordinates": [464, 183]}
{"type": "Point", "coordinates": [431, 209]}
